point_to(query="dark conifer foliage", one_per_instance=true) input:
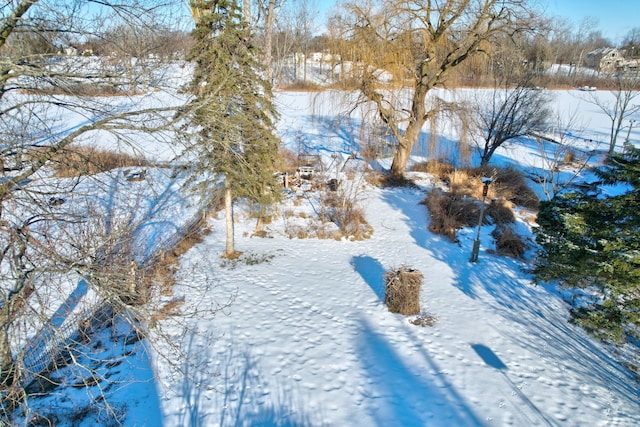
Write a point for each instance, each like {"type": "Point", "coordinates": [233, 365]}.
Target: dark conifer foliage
{"type": "Point", "coordinates": [232, 106]}
{"type": "Point", "coordinates": [592, 242]}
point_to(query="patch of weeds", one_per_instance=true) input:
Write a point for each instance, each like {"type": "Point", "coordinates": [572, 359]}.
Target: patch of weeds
{"type": "Point", "coordinates": [508, 243]}
{"type": "Point", "coordinates": [247, 258]}
{"type": "Point", "coordinates": [424, 319]}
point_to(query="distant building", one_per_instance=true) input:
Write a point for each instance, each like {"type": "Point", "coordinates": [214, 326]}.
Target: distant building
{"type": "Point", "coordinates": [605, 59]}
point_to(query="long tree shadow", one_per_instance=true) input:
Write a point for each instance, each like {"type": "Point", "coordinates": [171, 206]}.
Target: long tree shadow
{"type": "Point", "coordinates": [238, 395]}
{"type": "Point", "coordinates": [246, 402]}
{"type": "Point", "coordinates": [405, 396]}
{"type": "Point", "coordinates": [372, 272]}
{"type": "Point", "coordinates": [534, 309]}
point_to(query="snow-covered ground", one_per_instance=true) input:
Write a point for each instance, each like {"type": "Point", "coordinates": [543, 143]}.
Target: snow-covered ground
{"type": "Point", "coordinates": [307, 341]}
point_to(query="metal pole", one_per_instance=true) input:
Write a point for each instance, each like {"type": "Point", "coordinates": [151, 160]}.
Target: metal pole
{"type": "Point", "coordinates": [476, 242]}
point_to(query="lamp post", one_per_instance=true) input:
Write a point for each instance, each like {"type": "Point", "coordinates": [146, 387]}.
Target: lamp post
{"type": "Point", "coordinates": [476, 243]}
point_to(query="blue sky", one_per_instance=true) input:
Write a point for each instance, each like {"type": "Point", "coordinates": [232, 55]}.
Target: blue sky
{"type": "Point", "coordinates": [615, 17]}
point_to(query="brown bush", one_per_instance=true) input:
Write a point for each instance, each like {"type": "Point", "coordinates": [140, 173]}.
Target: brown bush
{"type": "Point", "coordinates": [463, 184]}
{"type": "Point", "coordinates": [301, 86]}
{"type": "Point", "coordinates": [508, 243]}
{"type": "Point", "coordinates": [501, 212]}
{"type": "Point", "coordinates": [403, 290]}
{"type": "Point", "coordinates": [449, 212]}
{"type": "Point", "coordinates": [509, 184]}
{"type": "Point", "coordinates": [79, 161]}
{"type": "Point", "coordinates": [437, 168]}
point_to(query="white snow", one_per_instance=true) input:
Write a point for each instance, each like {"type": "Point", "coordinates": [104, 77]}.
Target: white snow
{"type": "Point", "coordinates": [308, 341]}
{"type": "Point", "coordinates": [305, 339]}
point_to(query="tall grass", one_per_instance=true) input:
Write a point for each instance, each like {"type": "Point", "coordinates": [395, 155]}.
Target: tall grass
{"type": "Point", "coordinates": [80, 161]}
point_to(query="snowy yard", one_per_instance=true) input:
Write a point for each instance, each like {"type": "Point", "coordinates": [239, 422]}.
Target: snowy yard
{"type": "Point", "coordinates": [307, 340]}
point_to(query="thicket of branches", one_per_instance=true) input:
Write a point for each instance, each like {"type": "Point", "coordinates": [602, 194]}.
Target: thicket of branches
{"type": "Point", "coordinates": [48, 247]}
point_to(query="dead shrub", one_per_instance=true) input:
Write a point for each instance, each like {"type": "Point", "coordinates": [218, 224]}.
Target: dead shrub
{"type": "Point", "coordinates": [509, 184]}
{"type": "Point", "coordinates": [501, 212]}
{"type": "Point", "coordinates": [343, 210]}
{"type": "Point", "coordinates": [80, 161]}
{"type": "Point", "coordinates": [439, 168]}
{"type": "Point", "coordinates": [403, 290]}
{"type": "Point", "coordinates": [508, 243]}
{"type": "Point", "coordinates": [449, 212]}
{"type": "Point", "coordinates": [424, 319]}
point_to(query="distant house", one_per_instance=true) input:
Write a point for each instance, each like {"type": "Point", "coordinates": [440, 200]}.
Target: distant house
{"type": "Point", "coordinates": [605, 59]}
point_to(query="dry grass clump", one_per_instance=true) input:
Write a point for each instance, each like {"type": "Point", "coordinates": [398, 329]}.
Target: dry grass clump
{"type": "Point", "coordinates": [375, 178]}
{"type": "Point", "coordinates": [460, 206]}
{"type": "Point", "coordinates": [403, 290]}
{"type": "Point", "coordinates": [438, 168]}
{"type": "Point", "coordinates": [314, 230]}
{"type": "Point", "coordinates": [449, 212]}
{"type": "Point", "coordinates": [508, 184]}
{"type": "Point", "coordinates": [500, 211]}
{"type": "Point", "coordinates": [424, 319]}
{"type": "Point", "coordinates": [508, 243]}
{"type": "Point", "coordinates": [80, 161]}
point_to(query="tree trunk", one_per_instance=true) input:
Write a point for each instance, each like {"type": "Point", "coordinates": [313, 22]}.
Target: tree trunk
{"type": "Point", "coordinates": [6, 358]}
{"type": "Point", "coordinates": [228, 209]}
{"type": "Point", "coordinates": [268, 42]}
{"type": "Point", "coordinates": [411, 135]}
{"type": "Point", "coordinates": [400, 160]}
{"type": "Point", "coordinates": [246, 11]}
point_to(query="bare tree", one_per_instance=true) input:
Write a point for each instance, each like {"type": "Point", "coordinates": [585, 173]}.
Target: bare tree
{"type": "Point", "coordinates": [631, 43]}
{"type": "Point", "coordinates": [561, 158]}
{"type": "Point", "coordinates": [506, 113]}
{"type": "Point", "coordinates": [270, 9]}
{"type": "Point", "coordinates": [40, 91]}
{"type": "Point", "coordinates": [417, 44]}
{"type": "Point", "coordinates": [619, 103]}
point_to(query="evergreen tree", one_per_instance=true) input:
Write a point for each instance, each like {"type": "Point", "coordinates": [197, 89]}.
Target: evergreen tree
{"type": "Point", "coordinates": [593, 243]}
{"type": "Point", "coordinates": [232, 109]}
